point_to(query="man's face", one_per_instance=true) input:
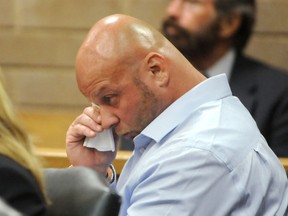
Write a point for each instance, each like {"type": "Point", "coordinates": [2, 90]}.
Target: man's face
{"type": "Point", "coordinates": [192, 26]}
{"type": "Point", "coordinates": [126, 103]}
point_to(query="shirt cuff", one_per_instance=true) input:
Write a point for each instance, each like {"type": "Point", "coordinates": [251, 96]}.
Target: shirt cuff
{"type": "Point", "coordinates": [111, 174]}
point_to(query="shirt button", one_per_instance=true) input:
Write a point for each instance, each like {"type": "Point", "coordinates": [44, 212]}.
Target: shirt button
{"type": "Point", "coordinates": [142, 150]}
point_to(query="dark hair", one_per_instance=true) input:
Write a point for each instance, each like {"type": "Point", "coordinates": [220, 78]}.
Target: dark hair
{"type": "Point", "coordinates": [247, 11]}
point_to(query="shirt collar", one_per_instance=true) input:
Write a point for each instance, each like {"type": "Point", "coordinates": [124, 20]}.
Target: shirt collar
{"type": "Point", "coordinates": [178, 111]}
{"type": "Point", "coordinates": [224, 65]}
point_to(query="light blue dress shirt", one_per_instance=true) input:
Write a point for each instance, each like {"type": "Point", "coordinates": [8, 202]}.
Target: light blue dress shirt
{"type": "Point", "coordinates": [203, 156]}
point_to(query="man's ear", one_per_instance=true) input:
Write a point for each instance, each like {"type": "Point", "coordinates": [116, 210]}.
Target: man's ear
{"type": "Point", "coordinates": [229, 25]}
{"type": "Point", "coordinates": [156, 66]}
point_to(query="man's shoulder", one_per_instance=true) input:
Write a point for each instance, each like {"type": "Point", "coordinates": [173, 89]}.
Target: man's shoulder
{"type": "Point", "coordinates": [250, 70]}
{"type": "Point", "coordinates": [252, 65]}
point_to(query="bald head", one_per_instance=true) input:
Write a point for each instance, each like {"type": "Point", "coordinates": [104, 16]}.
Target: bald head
{"type": "Point", "coordinates": [120, 41]}
{"type": "Point", "coordinates": [121, 35]}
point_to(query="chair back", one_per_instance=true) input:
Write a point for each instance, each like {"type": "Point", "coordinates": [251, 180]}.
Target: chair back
{"type": "Point", "coordinates": [79, 191]}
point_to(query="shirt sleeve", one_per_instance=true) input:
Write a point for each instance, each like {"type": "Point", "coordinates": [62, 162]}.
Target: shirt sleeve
{"type": "Point", "coordinates": [113, 177]}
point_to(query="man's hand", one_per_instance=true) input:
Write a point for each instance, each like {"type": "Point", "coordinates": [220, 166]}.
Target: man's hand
{"type": "Point", "coordinates": [88, 124]}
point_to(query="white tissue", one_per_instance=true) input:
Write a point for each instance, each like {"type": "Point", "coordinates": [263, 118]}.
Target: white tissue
{"type": "Point", "coordinates": [103, 141]}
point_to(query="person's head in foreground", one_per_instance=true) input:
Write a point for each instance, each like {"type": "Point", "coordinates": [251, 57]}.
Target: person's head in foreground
{"type": "Point", "coordinates": [197, 149]}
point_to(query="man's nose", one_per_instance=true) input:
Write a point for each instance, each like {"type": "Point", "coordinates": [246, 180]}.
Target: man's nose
{"type": "Point", "coordinates": [108, 119]}
{"type": "Point", "coordinates": [174, 9]}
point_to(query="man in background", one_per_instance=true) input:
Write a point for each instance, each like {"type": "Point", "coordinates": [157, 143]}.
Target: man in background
{"type": "Point", "coordinates": [212, 35]}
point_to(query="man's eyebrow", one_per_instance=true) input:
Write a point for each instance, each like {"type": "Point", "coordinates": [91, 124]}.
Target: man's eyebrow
{"type": "Point", "coordinates": [100, 92]}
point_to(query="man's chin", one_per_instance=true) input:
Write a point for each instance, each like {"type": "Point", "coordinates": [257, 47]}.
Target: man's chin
{"type": "Point", "coordinates": [178, 40]}
{"type": "Point", "coordinates": [171, 32]}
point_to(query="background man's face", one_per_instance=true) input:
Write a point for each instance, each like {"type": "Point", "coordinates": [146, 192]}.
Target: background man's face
{"type": "Point", "coordinates": [192, 26]}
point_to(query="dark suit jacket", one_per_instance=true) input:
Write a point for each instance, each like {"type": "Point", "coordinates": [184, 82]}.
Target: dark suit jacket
{"type": "Point", "coordinates": [264, 91]}
{"type": "Point", "coordinates": [18, 188]}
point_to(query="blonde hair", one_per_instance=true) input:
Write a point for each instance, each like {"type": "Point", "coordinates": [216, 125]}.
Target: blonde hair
{"type": "Point", "coordinates": [15, 143]}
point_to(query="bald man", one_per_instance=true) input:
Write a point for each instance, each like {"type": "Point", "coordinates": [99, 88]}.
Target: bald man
{"type": "Point", "coordinates": [197, 149]}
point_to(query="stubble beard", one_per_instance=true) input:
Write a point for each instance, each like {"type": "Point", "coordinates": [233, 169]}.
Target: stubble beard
{"type": "Point", "coordinates": [147, 108]}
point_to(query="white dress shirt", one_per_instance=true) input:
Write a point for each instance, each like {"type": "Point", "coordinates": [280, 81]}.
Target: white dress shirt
{"type": "Point", "coordinates": [203, 156]}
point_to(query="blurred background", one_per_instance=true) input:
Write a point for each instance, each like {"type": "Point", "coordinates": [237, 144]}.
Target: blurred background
{"type": "Point", "coordinates": [39, 40]}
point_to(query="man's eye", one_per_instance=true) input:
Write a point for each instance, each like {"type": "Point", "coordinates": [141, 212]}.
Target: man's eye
{"type": "Point", "coordinates": [109, 99]}
{"type": "Point", "coordinates": [106, 99]}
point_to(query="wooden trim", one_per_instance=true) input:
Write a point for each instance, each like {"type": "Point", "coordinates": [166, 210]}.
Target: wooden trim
{"type": "Point", "coordinates": [57, 158]}
{"type": "Point", "coordinates": [284, 162]}
{"type": "Point", "coordinates": [53, 157]}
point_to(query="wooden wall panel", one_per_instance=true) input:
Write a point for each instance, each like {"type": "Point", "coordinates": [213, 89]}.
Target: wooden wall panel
{"type": "Point", "coordinates": [39, 40]}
